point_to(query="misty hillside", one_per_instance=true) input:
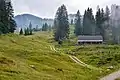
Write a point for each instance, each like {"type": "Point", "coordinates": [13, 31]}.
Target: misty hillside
{"type": "Point", "coordinates": [71, 16]}
{"type": "Point", "coordinates": [24, 20]}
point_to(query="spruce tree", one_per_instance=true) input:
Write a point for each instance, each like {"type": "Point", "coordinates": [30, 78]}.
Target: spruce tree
{"type": "Point", "coordinates": [72, 22]}
{"type": "Point", "coordinates": [92, 22]}
{"type": "Point", "coordinates": [49, 28]}
{"type": "Point", "coordinates": [45, 27]}
{"type": "Point", "coordinates": [25, 31]}
{"type": "Point", "coordinates": [107, 23]}
{"type": "Point", "coordinates": [61, 23]}
{"type": "Point", "coordinates": [3, 17]}
{"type": "Point", "coordinates": [6, 17]}
{"type": "Point", "coordinates": [107, 13]}
{"type": "Point", "coordinates": [1, 28]}
{"type": "Point", "coordinates": [100, 20]}
{"type": "Point", "coordinates": [11, 21]}
{"type": "Point", "coordinates": [78, 26]}
{"type": "Point", "coordinates": [85, 22]}
{"type": "Point", "coordinates": [21, 31]}
{"type": "Point", "coordinates": [30, 29]}
{"type": "Point", "coordinates": [88, 22]}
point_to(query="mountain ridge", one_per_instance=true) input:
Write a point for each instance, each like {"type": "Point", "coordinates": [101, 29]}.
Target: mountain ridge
{"type": "Point", "coordinates": [23, 20]}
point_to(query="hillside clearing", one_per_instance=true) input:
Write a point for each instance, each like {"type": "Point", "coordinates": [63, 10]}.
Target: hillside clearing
{"type": "Point", "coordinates": [38, 57]}
{"type": "Point", "coordinates": [23, 58]}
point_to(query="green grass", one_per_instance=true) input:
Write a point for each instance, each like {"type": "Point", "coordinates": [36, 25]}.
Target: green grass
{"type": "Point", "coordinates": [32, 58]}
{"type": "Point", "coordinates": [99, 56]}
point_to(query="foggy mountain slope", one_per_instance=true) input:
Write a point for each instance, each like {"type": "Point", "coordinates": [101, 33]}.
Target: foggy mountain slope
{"type": "Point", "coordinates": [24, 20]}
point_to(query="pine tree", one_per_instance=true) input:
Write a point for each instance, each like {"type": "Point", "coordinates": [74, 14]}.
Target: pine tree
{"type": "Point", "coordinates": [6, 17]}
{"type": "Point", "coordinates": [45, 27]}
{"type": "Point", "coordinates": [11, 21]}
{"type": "Point", "coordinates": [3, 17]}
{"type": "Point", "coordinates": [92, 22]}
{"type": "Point", "coordinates": [100, 20]}
{"type": "Point", "coordinates": [21, 31]}
{"type": "Point", "coordinates": [71, 21]}
{"type": "Point", "coordinates": [61, 23]}
{"type": "Point", "coordinates": [88, 22]}
{"type": "Point", "coordinates": [108, 29]}
{"type": "Point", "coordinates": [25, 31]}
{"type": "Point", "coordinates": [30, 29]}
{"type": "Point", "coordinates": [84, 22]}
{"type": "Point", "coordinates": [78, 27]}
{"type": "Point", "coordinates": [49, 28]}
{"type": "Point", "coordinates": [1, 28]}
{"type": "Point", "coordinates": [107, 13]}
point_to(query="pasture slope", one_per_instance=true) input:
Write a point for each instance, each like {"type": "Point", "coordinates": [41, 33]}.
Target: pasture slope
{"type": "Point", "coordinates": [35, 58]}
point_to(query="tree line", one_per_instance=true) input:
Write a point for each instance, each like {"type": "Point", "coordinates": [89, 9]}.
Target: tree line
{"type": "Point", "coordinates": [93, 25]}
{"type": "Point", "coordinates": [27, 31]}
{"type": "Point", "coordinates": [46, 27]}
{"type": "Point", "coordinates": [7, 23]}
{"type": "Point", "coordinates": [89, 25]}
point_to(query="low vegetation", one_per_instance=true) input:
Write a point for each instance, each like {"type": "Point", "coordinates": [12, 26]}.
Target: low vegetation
{"type": "Point", "coordinates": [31, 57]}
{"type": "Point", "coordinates": [38, 57]}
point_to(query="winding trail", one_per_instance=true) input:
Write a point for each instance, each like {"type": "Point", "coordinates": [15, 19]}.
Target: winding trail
{"type": "Point", "coordinates": [75, 59]}
{"type": "Point", "coordinates": [112, 76]}
{"type": "Point", "coordinates": [53, 48]}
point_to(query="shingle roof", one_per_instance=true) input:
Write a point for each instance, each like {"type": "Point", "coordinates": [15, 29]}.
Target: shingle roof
{"type": "Point", "coordinates": [90, 37]}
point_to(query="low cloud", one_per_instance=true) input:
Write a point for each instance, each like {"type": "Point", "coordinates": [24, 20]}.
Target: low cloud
{"type": "Point", "coordinates": [47, 8]}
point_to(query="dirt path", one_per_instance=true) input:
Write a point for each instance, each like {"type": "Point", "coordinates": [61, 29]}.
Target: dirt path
{"type": "Point", "coordinates": [53, 48]}
{"type": "Point", "coordinates": [75, 59]}
{"type": "Point", "coordinates": [112, 76]}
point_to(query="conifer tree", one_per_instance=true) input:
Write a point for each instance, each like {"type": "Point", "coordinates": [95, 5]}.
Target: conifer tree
{"type": "Point", "coordinates": [78, 26]}
{"type": "Point", "coordinates": [25, 31]}
{"type": "Point", "coordinates": [21, 31]}
{"type": "Point", "coordinates": [45, 27]}
{"type": "Point", "coordinates": [30, 29]}
{"type": "Point", "coordinates": [61, 24]}
{"type": "Point", "coordinates": [10, 13]}
{"type": "Point", "coordinates": [72, 22]}
{"type": "Point", "coordinates": [88, 22]}
{"type": "Point", "coordinates": [100, 20]}
{"type": "Point", "coordinates": [6, 17]}
{"type": "Point", "coordinates": [107, 24]}
{"type": "Point", "coordinates": [3, 17]}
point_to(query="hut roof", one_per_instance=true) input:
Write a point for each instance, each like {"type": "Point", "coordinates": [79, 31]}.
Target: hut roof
{"type": "Point", "coordinates": [90, 38]}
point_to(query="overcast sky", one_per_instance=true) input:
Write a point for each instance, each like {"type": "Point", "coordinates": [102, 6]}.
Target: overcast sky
{"type": "Point", "coordinates": [47, 8]}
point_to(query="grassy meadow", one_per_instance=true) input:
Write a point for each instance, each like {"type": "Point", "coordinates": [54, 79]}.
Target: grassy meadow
{"type": "Point", "coordinates": [38, 57]}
